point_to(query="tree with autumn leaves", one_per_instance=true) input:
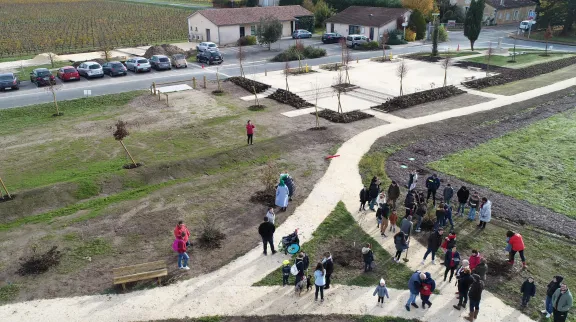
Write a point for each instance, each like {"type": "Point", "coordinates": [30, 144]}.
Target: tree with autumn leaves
{"type": "Point", "coordinates": [424, 6]}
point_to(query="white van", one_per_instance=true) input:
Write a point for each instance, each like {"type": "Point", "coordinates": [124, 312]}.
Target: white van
{"type": "Point", "coordinates": [526, 24]}
{"type": "Point", "coordinates": [356, 40]}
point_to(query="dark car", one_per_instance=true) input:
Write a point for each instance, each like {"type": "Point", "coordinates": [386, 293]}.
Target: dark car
{"type": "Point", "coordinates": [68, 73]}
{"type": "Point", "coordinates": [159, 62]}
{"type": "Point", "coordinates": [114, 68]}
{"type": "Point", "coordinates": [210, 57]}
{"type": "Point", "coordinates": [9, 80]}
{"type": "Point", "coordinates": [331, 37]}
{"type": "Point", "coordinates": [42, 77]}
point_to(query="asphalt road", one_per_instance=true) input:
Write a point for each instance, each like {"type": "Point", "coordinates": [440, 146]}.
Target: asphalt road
{"type": "Point", "coordinates": [257, 61]}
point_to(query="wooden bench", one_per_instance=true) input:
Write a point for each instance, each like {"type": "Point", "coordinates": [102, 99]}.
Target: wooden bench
{"type": "Point", "coordinates": [133, 273]}
{"type": "Point", "coordinates": [476, 69]}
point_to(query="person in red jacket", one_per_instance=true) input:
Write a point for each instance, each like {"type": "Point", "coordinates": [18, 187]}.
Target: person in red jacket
{"type": "Point", "coordinates": [181, 228]}
{"type": "Point", "coordinates": [474, 259]}
{"type": "Point", "coordinates": [250, 131]}
{"type": "Point", "coordinates": [517, 244]}
{"type": "Point", "coordinates": [182, 256]}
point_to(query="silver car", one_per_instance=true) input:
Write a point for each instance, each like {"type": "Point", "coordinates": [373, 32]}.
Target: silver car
{"type": "Point", "coordinates": [90, 69]}
{"type": "Point", "coordinates": [138, 64]}
{"type": "Point", "coordinates": [206, 46]}
{"type": "Point", "coordinates": [353, 41]}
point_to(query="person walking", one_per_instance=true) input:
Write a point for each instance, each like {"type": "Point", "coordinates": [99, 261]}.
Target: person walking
{"type": "Point", "coordinates": [481, 269]}
{"type": "Point", "coordinates": [382, 291]}
{"type": "Point", "coordinates": [485, 212]}
{"type": "Point", "coordinates": [271, 215]}
{"type": "Point", "coordinates": [562, 302]}
{"type": "Point", "coordinates": [517, 243]}
{"type": "Point", "coordinates": [412, 179]}
{"type": "Point", "coordinates": [432, 184]}
{"type": "Point", "coordinates": [414, 285]}
{"type": "Point", "coordinates": [473, 203]}
{"type": "Point", "coordinates": [428, 286]}
{"type": "Point", "coordinates": [328, 265]}
{"type": "Point", "coordinates": [374, 191]}
{"type": "Point", "coordinates": [474, 297]}
{"type": "Point", "coordinates": [401, 243]}
{"type": "Point", "coordinates": [319, 281]}
{"type": "Point", "coordinates": [368, 256]}
{"type": "Point", "coordinates": [181, 249]}
{"type": "Point", "coordinates": [384, 221]}
{"type": "Point", "coordinates": [474, 259]}
{"type": "Point", "coordinates": [364, 198]}
{"type": "Point", "coordinates": [528, 290]}
{"type": "Point", "coordinates": [440, 216]}
{"type": "Point", "coordinates": [300, 267]}
{"type": "Point", "coordinates": [181, 228]}
{"type": "Point", "coordinates": [464, 282]}
{"type": "Point", "coordinates": [550, 289]}
{"type": "Point", "coordinates": [434, 242]}
{"type": "Point", "coordinates": [448, 193]}
{"type": "Point", "coordinates": [420, 213]}
{"type": "Point", "coordinates": [250, 131]}
{"type": "Point", "coordinates": [463, 194]}
{"type": "Point", "coordinates": [451, 261]}
{"type": "Point", "coordinates": [448, 216]}
{"type": "Point", "coordinates": [266, 231]}
{"type": "Point", "coordinates": [393, 193]}
{"type": "Point", "coordinates": [406, 225]}
{"type": "Point", "coordinates": [282, 195]}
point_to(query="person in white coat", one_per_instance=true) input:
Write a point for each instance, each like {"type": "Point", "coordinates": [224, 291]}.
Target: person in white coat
{"type": "Point", "coordinates": [282, 195]}
{"type": "Point", "coordinates": [485, 212]}
{"type": "Point", "coordinates": [271, 215]}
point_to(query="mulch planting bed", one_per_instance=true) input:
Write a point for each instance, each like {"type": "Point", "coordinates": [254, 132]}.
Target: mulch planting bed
{"type": "Point", "coordinates": [513, 75]}
{"type": "Point", "coordinates": [466, 64]}
{"type": "Point", "coordinates": [347, 117]}
{"type": "Point", "coordinates": [289, 98]}
{"type": "Point", "coordinates": [40, 263]}
{"type": "Point", "coordinates": [248, 84]}
{"type": "Point", "coordinates": [405, 101]}
{"type": "Point", "coordinates": [434, 141]}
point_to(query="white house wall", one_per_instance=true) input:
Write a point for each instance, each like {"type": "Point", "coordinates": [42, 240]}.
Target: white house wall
{"type": "Point", "coordinates": [197, 25]}
{"type": "Point", "coordinates": [365, 30]}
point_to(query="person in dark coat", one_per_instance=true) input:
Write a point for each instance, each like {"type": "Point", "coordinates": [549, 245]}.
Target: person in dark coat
{"type": "Point", "coordinates": [266, 231]}
{"type": "Point", "coordinates": [434, 242]}
{"type": "Point", "coordinates": [374, 191]}
{"type": "Point", "coordinates": [300, 266]}
{"type": "Point", "coordinates": [305, 261]}
{"type": "Point", "coordinates": [463, 194]}
{"type": "Point", "coordinates": [481, 269]}
{"type": "Point", "coordinates": [410, 203]}
{"type": "Point", "coordinates": [368, 256]}
{"type": "Point", "coordinates": [474, 297]}
{"type": "Point", "coordinates": [401, 243]}
{"type": "Point", "coordinates": [448, 193]}
{"type": "Point", "coordinates": [464, 282]}
{"type": "Point", "coordinates": [427, 287]}
{"type": "Point", "coordinates": [393, 193]}
{"type": "Point", "coordinates": [432, 184]}
{"type": "Point", "coordinates": [328, 265]}
{"type": "Point", "coordinates": [528, 290]}
{"type": "Point", "coordinates": [440, 216]}
{"type": "Point", "coordinates": [364, 198]}
{"type": "Point", "coordinates": [550, 289]}
{"type": "Point", "coordinates": [451, 261]}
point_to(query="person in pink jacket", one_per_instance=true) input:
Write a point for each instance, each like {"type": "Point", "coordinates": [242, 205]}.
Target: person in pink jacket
{"type": "Point", "coordinates": [474, 259]}
{"type": "Point", "coordinates": [250, 131]}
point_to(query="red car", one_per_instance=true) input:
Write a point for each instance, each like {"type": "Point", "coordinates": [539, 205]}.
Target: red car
{"type": "Point", "coordinates": [68, 73]}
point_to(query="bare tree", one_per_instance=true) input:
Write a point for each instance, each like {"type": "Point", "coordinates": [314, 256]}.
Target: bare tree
{"type": "Point", "coordinates": [339, 80]}
{"type": "Point", "coordinates": [119, 135]}
{"type": "Point", "coordinates": [401, 72]}
{"type": "Point", "coordinates": [286, 74]}
{"type": "Point", "coordinates": [218, 79]}
{"type": "Point", "coordinates": [488, 58]}
{"type": "Point", "coordinates": [241, 55]}
{"type": "Point", "coordinates": [447, 62]}
{"type": "Point", "coordinates": [346, 58]}
{"type": "Point", "coordinates": [385, 37]}
{"type": "Point", "coordinates": [317, 93]}
{"type": "Point", "coordinates": [52, 88]}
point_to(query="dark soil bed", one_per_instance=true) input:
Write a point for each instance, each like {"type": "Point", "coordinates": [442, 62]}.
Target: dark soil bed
{"type": "Point", "coordinates": [513, 75]}
{"type": "Point", "coordinates": [40, 263]}
{"type": "Point", "coordinates": [248, 84]}
{"type": "Point", "coordinates": [434, 141]}
{"type": "Point", "coordinates": [320, 128]}
{"type": "Point", "coordinates": [294, 318]}
{"type": "Point", "coordinates": [257, 107]}
{"type": "Point", "coordinates": [6, 198]}
{"type": "Point", "coordinates": [345, 87]}
{"type": "Point", "coordinates": [132, 165]}
{"type": "Point", "coordinates": [405, 101]}
{"type": "Point", "coordinates": [343, 117]}
{"type": "Point", "coordinates": [218, 92]}
{"type": "Point", "coordinates": [264, 198]}
{"type": "Point", "coordinates": [289, 98]}
{"type": "Point", "coordinates": [460, 63]}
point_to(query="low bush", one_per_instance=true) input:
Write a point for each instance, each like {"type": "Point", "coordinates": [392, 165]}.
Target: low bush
{"type": "Point", "coordinates": [210, 235]}
{"type": "Point", "coordinates": [347, 117]}
{"type": "Point", "coordinates": [299, 52]}
{"type": "Point", "coordinates": [289, 98]}
{"type": "Point", "coordinates": [247, 41]}
{"type": "Point", "coordinates": [371, 45]}
{"type": "Point", "coordinates": [395, 38]}
{"type": "Point", "coordinates": [248, 84]}
{"type": "Point", "coordinates": [405, 101]}
{"type": "Point", "coordinates": [512, 75]}
{"type": "Point", "coordinates": [314, 52]}
{"type": "Point", "coordinates": [410, 35]}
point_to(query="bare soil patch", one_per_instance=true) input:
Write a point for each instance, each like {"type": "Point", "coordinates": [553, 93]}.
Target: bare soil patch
{"type": "Point", "coordinates": [434, 107]}
{"type": "Point", "coordinates": [410, 100]}
{"type": "Point", "coordinates": [347, 117]}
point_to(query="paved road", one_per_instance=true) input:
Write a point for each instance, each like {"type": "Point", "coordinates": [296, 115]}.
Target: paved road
{"type": "Point", "coordinates": [257, 61]}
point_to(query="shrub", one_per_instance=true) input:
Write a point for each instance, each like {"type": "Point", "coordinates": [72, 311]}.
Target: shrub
{"type": "Point", "coordinates": [314, 52]}
{"type": "Point", "coordinates": [410, 35]}
{"type": "Point", "coordinates": [247, 41]}
{"type": "Point", "coordinates": [395, 38]}
{"type": "Point", "coordinates": [371, 45]}
{"type": "Point", "coordinates": [210, 235]}
{"type": "Point", "coordinates": [418, 24]}
{"type": "Point", "coordinates": [299, 51]}
{"type": "Point", "coordinates": [442, 34]}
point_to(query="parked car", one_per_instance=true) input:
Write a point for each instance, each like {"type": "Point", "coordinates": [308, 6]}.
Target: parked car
{"type": "Point", "coordinates": [42, 77]}
{"type": "Point", "coordinates": [68, 73]}
{"type": "Point", "coordinates": [356, 40]}
{"type": "Point", "coordinates": [206, 46]}
{"type": "Point", "coordinates": [114, 68]}
{"type": "Point", "coordinates": [90, 69]}
{"type": "Point", "coordinates": [331, 37]}
{"type": "Point", "coordinates": [159, 62]}
{"type": "Point", "coordinates": [526, 24]}
{"type": "Point", "coordinates": [179, 61]}
{"type": "Point", "coordinates": [9, 80]}
{"type": "Point", "coordinates": [138, 64]}
{"type": "Point", "coordinates": [301, 33]}
{"type": "Point", "coordinates": [210, 57]}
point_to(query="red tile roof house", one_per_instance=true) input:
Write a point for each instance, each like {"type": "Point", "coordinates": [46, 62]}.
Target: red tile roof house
{"type": "Point", "coordinates": [372, 22]}
{"type": "Point", "coordinates": [226, 26]}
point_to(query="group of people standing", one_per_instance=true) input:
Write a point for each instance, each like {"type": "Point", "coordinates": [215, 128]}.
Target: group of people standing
{"type": "Point", "coordinates": [322, 273]}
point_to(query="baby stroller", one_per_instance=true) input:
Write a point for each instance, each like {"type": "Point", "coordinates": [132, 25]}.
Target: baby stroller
{"type": "Point", "coordinates": [290, 244]}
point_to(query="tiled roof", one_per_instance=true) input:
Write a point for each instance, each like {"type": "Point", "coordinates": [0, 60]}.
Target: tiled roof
{"type": "Point", "coordinates": [249, 15]}
{"type": "Point", "coordinates": [367, 16]}
{"type": "Point", "coordinates": [509, 4]}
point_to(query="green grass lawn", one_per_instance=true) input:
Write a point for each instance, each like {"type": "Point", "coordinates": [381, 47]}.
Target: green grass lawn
{"type": "Point", "coordinates": [532, 83]}
{"type": "Point", "coordinates": [15, 58]}
{"type": "Point", "coordinates": [24, 72]}
{"type": "Point", "coordinates": [535, 163]}
{"type": "Point", "coordinates": [521, 60]}
{"type": "Point", "coordinates": [556, 37]}
{"type": "Point", "coordinates": [343, 237]}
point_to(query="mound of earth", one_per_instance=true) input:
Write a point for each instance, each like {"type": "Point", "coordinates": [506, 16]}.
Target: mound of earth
{"type": "Point", "coordinates": [167, 50]}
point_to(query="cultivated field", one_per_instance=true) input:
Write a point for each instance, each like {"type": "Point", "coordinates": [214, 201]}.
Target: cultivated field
{"type": "Point", "coordinates": [65, 26]}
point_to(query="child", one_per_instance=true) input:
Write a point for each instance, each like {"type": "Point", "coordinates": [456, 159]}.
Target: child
{"type": "Point", "coordinates": [426, 289]}
{"type": "Point", "coordinates": [379, 217]}
{"type": "Point", "coordinates": [385, 215]}
{"type": "Point", "coordinates": [393, 219]}
{"type": "Point", "coordinates": [528, 290]}
{"type": "Point", "coordinates": [449, 242]}
{"type": "Point", "coordinates": [364, 198]}
{"type": "Point", "coordinates": [382, 291]}
{"type": "Point", "coordinates": [285, 272]}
